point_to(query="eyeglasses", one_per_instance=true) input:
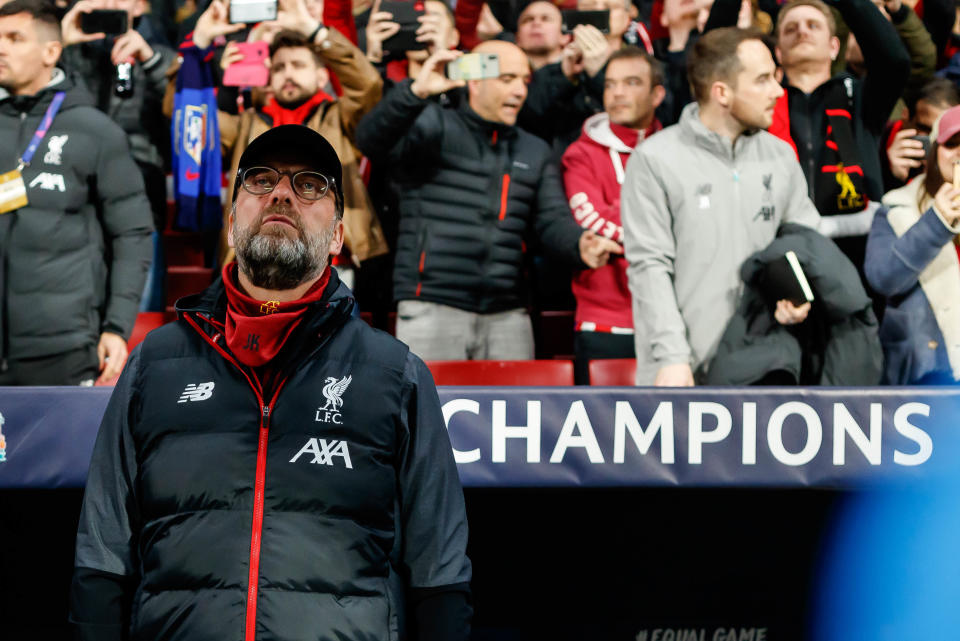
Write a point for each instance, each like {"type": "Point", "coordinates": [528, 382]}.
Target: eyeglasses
{"type": "Point", "coordinates": [309, 185]}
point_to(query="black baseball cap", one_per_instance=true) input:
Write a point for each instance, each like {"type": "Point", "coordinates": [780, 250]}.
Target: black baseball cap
{"type": "Point", "coordinates": [303, 143]}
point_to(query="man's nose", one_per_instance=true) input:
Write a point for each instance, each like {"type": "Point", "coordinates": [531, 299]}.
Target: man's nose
{"type": "Point", "coordinates": [283, 190]}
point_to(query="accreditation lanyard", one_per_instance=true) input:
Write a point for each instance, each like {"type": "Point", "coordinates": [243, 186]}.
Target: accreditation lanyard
{"type": "Point", "coordinates": [13, 191]}
{"type": "Point", "coordinates": [41, 131]}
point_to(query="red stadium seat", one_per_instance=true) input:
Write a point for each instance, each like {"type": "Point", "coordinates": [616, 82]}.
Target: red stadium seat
{"type": "Point", "coordinates": [613, 371]}
{"type": "Point", "coordinates": [544, 373]}
{"type": "Point", "coordinates": [145, 322]}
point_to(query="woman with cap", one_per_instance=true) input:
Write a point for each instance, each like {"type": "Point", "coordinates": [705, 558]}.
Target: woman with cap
{"type": "Point", "coordinates": [913, 258]}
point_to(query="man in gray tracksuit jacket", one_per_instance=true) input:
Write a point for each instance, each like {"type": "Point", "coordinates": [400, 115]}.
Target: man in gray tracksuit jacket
{"type": "Point", "coordinates": [698, 199]}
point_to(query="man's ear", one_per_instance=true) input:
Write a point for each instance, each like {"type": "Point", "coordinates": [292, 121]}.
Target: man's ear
{"type": "Point", "coordinates": [720, 92]}
{"type": "Point", "coordinates": [778, 54]}
{"type": "Point", "coordinates": [336, 243]}
{"type": "Point", "coordinates": [139, 8]}
{"type": "Point", "coordinates": [657, 94]}
{"type": "Point", "coordinates": [834, 47]}
{"type": "Point", "coordinates": [233, 214]}
{"type": "Point", "coordinates": [50, 53]}
{"type": "Point", "coordinates": [323, 77]}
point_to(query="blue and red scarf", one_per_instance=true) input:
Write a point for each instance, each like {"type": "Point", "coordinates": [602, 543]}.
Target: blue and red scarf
{"type": "Point", "coordinates": [195, 135]}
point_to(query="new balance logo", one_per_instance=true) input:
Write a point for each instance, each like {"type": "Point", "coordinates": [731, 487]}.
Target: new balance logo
{"type": "Point", "coordinates": [197, 392]}
{"type": "Point", "coordinates": [323, 452]}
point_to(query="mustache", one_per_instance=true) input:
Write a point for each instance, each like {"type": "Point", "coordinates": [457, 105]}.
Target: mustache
{"type": "Point", "coordinates": [280, 209]}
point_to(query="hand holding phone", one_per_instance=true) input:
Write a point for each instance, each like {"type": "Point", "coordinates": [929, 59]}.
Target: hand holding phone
{"type": "Point", "coordinates": [431, 81]}
{"type": "Point", "coordinates": [407, 14]}
{"type": "Point", "coordinates": [212, 23]}
{"type": "Point", "coordinates": [248, 64]}
{"type": "Point", "coordinates": [906, 153]}
{"type": "Point", "coordinates": [380, 27]}
{"type": "Point", "coordinates": [74, 24]}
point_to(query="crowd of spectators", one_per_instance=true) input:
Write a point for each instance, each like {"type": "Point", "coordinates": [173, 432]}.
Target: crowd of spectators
{"type": "Point", "coordinates": [646, 164]}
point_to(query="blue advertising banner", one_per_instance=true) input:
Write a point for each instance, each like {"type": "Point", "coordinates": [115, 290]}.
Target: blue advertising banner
{"type": "Point", "coordinates": [590, 437]}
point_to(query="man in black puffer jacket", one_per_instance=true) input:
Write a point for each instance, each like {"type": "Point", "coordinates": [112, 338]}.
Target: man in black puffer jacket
{"type": "Point", "coordinates": [269, 467]}
{"type": "Point", "coordinates": [75, 255]}
{"type": "Point", "coordinates": [474, 189]}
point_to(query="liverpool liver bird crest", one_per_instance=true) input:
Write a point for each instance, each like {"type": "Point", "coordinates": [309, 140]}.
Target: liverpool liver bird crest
{"type": "Point", "coordinates": [333, 391]}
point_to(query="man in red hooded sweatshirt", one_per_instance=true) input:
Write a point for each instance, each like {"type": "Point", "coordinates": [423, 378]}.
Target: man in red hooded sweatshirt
{"type": "Point", "coordinates": [593, 169]}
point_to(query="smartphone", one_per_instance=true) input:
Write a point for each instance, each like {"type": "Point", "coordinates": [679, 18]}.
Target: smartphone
{"type": "Point", "coordinates": [112, 22]}
{"type": "Point", "coordinates": [251, 71]}
{"type": "Point", "coordinates": [405, 13]}
{"type": "Point", "coordinates": [925, 141]}
{"type": "Point", "coordinates": [599, 19]}
{"type": "Point", "coordinates": [251, 11]}
{"type": "Point", "coordinates": [474, 66]}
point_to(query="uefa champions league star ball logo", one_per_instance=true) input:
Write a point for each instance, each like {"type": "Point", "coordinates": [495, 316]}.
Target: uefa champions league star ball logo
{"type": "Point", "coordinates": [3, 442]}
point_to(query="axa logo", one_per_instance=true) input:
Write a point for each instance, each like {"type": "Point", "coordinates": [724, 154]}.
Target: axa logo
{"type": "Point", "coordinates": [333, 392]}
{"type": "Point", "coordinates": [197, 392]}
{"type": "Point", "coordinates": [48, 182]}
{"type": "Point", "coordinates": [324, 451]}
{"type": "Point", "coordinates": [3, 441]}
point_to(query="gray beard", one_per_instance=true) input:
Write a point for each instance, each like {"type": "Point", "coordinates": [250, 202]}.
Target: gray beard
{"type": "Point", "coordinates": [278, 262]}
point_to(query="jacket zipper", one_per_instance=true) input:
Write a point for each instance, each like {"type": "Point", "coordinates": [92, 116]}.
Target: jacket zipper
{"type": "Point", "coordinates": [260, 481]}
{"type": "Point", "coordinates": [504, 188]}
{"type": "Point", "coordinates": [422, 262]}
{"type": "Point", "coordinates": [423, 257]}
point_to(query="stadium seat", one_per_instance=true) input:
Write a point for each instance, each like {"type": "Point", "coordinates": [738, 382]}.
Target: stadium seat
{"type": "Point", "coordinates": [613, 371]}
{"type": "Point", "coordinates": [147, 321]}
{"type": "Point", "coordinates": [541, 373]}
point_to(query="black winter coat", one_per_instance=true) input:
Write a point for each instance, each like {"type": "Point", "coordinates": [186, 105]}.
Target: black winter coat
{"type": "Point", "coordinates": [75, 258]}
{"type": "Point", "coordinates": [141, 114]}
{"type": "Point", "coordinates": [220, 505]}
{"type": "Point", "coordinates": [472, 193]}
{"type": "Point", "coordinates": [873, 98]}
{"type": "Point", "coordinates": [836, 345]}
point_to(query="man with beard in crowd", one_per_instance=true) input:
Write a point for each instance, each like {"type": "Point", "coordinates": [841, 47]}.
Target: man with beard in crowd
{"type": "Point", "coordinates": [318, 519]}
{"type": "Point", "coordinates": [299, 59]}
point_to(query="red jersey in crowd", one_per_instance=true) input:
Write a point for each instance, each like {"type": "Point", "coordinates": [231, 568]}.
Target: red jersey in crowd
{"type": "Point", "coordinates": [593, 170]}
